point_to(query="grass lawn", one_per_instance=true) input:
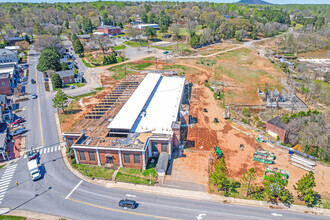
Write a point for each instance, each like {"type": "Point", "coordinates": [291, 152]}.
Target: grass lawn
{"type": "Point", "coordinates": [180, 69]}
{"type": "Point", "coordinates": [119, 47]}
{"type": "Point", "coordinates": [11, 217]}
{"type": "Point", "coordinates": [94, 171]}
{"type": "Point", "coordinates": [137, 176]}
{"type": "Point", "coordinates": [1, 166]}
{"type": "Point", "coordinates": [75, 84]}
{"type": "Point", "coordinates": [86, 64]}
{"type": "Point", "coordinates": [130, 67]}
{"type": "Point", "coordinates": [176, 47]}
{"type": "Point", "coordinates": [136, 43]}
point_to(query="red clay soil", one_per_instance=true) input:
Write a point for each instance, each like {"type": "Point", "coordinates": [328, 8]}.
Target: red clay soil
{"type": "Point", "coordinates": [206, 135]}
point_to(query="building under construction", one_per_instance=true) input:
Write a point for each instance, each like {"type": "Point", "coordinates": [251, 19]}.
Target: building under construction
{"type": "Point", "coordinates": [140, 119]}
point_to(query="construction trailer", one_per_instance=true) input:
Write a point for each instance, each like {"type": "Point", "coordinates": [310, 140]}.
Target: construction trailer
{"type": "Point", "coordinates": [265, 153]}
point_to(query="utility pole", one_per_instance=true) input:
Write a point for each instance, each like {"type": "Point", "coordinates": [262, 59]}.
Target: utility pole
{"type": "Point", "coordinates": [223, 98]}
{"type": "Point", "coordinates": [156, 62]}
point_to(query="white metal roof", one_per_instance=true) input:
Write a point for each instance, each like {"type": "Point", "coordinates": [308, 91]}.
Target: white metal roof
{"type": "Point", "coordinates": [163, 108]}
{"type": "Point", "coordinates": [128, 114]}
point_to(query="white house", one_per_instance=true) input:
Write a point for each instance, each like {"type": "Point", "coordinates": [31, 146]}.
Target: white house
{"type": "Point", "coordinates": [8, 56]}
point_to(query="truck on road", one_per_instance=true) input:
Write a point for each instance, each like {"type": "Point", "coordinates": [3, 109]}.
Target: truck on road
{"type": "Point", "coordinates": [34, 169]}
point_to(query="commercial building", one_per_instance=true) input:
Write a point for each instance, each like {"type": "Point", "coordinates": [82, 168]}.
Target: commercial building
{"type": "Point", "coordinates": [8, 73]}
{"type": "Point", "coordinates": [68, 76]}
{"type": "Point", "coordinates": [8, 56]}
{"type": "Point", "coordinates": [108, 29]}
{"type": "Point", "coordinates": [144, 125]}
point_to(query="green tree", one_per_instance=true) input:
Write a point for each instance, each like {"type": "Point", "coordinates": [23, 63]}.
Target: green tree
{"type": "Point", "coordinates": [87, 25]}
{"type": "Point", "coordinates": [64, 66]}
{"type": "Point", "coordinates": [78, 47]}
{"type": "Point", "coordinates": [37, 28]}
{"type": "Point", "coordinates": [56, 81]}
{"type": "Point", "coordinates": [66, 24]}
{"type": "Point", "coordinates": [254, 33]}
{"type": "Point", "coordinates": [194, 40]}
{"type": "Point", "coordinates": [274, 188]}
{"type": "Point", "coordinates": [304, 188]}
{"type": "Point", "coordinates": [144, 18]}
{"type": "Point", "coordinates": [285, 118]}
{"type": "Point", "coordinates": [246, 112]}
{"type": "Point", "coordinates": [60, 99]}
{"type": "Point", "coordinates": [74, 38]}
{"type": "Point", "coordinates": [248, 180]}
{"type": "Point", "coordinates": [150, 32]}
{"type": "Point", "coordinates": [239, 35]}
{"type": "Point", "coordinates": [219, 174]}
{"type": "Point", "coordinates": [49, 60]}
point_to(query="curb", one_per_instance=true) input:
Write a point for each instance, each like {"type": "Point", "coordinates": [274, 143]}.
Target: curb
{"type": "Point", "coordinates": [32, 215]}
{"type": "Point", "coordinates": [196, 195]}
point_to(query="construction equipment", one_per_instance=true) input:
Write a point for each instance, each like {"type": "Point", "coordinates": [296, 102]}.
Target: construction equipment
{"type": "Point", "coordinates": [302, 162]}
{"type": "Point", "coordinates": [204, 110]}
{"type": "Point", "coordinates": [216, 120]}
{"type": "Point", "coordinates": [218, 152]}
{"type": "Point", "coordinates": [265, 153]}
{"type": "Point", "coordinates": [272, 170]}
{"type": "Point", "coordinates": [241, 147]}
{"type": "Point", "coordinates": [260, 139]}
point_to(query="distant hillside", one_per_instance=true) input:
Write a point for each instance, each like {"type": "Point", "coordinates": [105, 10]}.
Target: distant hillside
{"type": "Point", "coordinates": [253, 2]}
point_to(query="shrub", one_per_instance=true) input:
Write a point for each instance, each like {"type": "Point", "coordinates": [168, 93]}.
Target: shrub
{"type": "Point", "coordinates": [285, 118]}
{"type": "Point", "coordinates": [246, 112]}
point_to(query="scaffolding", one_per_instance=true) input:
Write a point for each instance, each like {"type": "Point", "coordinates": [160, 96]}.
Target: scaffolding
{"type": "Point", "coordinates": [121, 93]}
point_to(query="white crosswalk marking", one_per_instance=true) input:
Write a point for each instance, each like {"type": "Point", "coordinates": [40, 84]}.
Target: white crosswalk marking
{"type": "Point", "coordinates": [24, 155]}
{"type": "Point", "coordinates": [48, 150]}
{"type": "Point", "coordinates": [51, 150]}
{"type": "Point", "coordinates": [5, 180]}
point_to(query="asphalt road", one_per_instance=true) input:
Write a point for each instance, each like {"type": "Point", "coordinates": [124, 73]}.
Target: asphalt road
{"type": "Point", "coordinates": [61, 193]}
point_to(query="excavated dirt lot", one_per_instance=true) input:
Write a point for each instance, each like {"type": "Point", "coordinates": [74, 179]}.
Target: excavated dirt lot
{"type": "Point", "coordinates": [206, 134]}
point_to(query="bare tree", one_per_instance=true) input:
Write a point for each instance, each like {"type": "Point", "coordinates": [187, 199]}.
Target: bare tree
{"type": "Point", "coordinates": [103, 42]}
{"type": "Point", "coordinates": [54, 30]}
{"type": "Point", "coordinates": [133, 32]}
{"type": "Point", "coordinates": [192, 28]}
{"type": "Point", "coordinates": [175, 30]}
{"type": "Point", "coordinates": [47, 41]}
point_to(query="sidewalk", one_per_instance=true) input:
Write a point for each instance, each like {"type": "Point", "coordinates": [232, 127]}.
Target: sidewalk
{"type": "Point", "coordinates": [196, 195]}
{"type": "Point", "coordinates": [30, 215]}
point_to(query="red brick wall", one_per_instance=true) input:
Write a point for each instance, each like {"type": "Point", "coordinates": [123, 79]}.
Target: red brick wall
{"type": "Point", "coordinates": [279, 131]}
{"type": "Point", "coordinates": [110, 31]}
{"type": "Point", "coordinates": [66, 79]}
{"type": "Point", "coordinates": [6, 88]}
{"type": "Point", "coordinates": [159, 146]}
{"type": "Point", "coordinates": [176, 137]}
{"type": "Point", "coordinates": [115, 157]}
{"type": "Point", "coordinates": [72, 139]}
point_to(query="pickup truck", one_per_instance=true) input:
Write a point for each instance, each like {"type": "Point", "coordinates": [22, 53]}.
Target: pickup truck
{"type": "Point", "coordinates": [34, 169]}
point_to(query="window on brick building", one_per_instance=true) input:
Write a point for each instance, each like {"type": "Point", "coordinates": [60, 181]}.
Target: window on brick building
{"type": "Point", "coordinates": [137, 158]}
{"type": "Point", "coordinates": [91, 155]}
{"type": "Point", "coordinates": [164, 147]}
{"type": "Point", "coordinates": [3, 84]}
{"type": "Point", "coordinates": [126, 158]}
{"type": "Point", "coordinates": [154, 146]}
{"type": "Point", "coordinates": [82, 155]}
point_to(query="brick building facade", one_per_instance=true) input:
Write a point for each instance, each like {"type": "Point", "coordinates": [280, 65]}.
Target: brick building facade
{"type": "Point", "coordinates": [276, 128]}
{"type": "Point", "coordinates": [108, 29]}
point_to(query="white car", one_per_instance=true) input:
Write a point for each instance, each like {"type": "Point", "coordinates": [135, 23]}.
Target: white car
{"type": "Point", "coordinates": [34, 96]}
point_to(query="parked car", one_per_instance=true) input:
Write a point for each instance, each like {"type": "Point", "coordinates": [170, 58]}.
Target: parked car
{"type": "Point", "coordinates": [23, 79]}
{"type": "Point", "coordinates": [32, 154]}
{"type": "Point", "coordinates": [46, 79]}
{"type": "Point", "coordinates": [72, 87]}
{"type": "Point", "coordinates": [17, 132]}
{"type": "Point", "coordinates": [127, 203]}
{"type": "Point", "coordinates": [18, 121]}
{"type": "Point", "coordinates": [25, 66]}
{"type": "Point", "coordinates": [34, 96]}
{"type": "Point", "coordinates": [33, 81]}
{"type": "Point", "coordinates": [165, 52]}
{"type": "Point", "coordinates": [23, 83]}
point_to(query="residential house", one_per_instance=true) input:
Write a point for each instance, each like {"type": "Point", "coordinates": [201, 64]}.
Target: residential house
{"type": "Point", "coordinates": [8, 76]}
{"type": "Point", "coordinates": [108, 29]}
{"type": "Point", "coordinates": [276, 128]}
{"type": "Point", "coordinates": [13, 40]}
{"type": "Point", "coordinates": [68, 76]}
{"type": "Point", "coordinates": [8, 56]}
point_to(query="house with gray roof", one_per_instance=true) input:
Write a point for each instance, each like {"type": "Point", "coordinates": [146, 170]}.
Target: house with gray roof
{"type": "Point", "coordinates": [8, 56]}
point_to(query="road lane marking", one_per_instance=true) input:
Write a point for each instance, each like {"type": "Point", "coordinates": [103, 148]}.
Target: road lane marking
{"type": "Point", "coordinates": [5, 180]}
{"type": "Point", "coordinates": [48, 150]}
{"type": "Point", "coordinates": [51, 150]}
{"type": "Point", "coordinates": [74, 189]}
{"type": "Point", "coordinates": [129, 195]}
{"type": "Point", "coordinates": [276, 214]}
{"type": "Point", "coordinates": [122, 211]}
{"type": "Point", "coordinates": [38, 99]}
{"type": "Point", "coordinates": [24, 155]}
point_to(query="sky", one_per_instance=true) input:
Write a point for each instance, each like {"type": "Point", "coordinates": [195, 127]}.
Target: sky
{"type": "Point", "coordinates": [219, 1]}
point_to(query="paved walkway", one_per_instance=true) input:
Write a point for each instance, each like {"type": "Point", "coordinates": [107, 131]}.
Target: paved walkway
{"type": "Point", "coordinates": [210, 55]}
